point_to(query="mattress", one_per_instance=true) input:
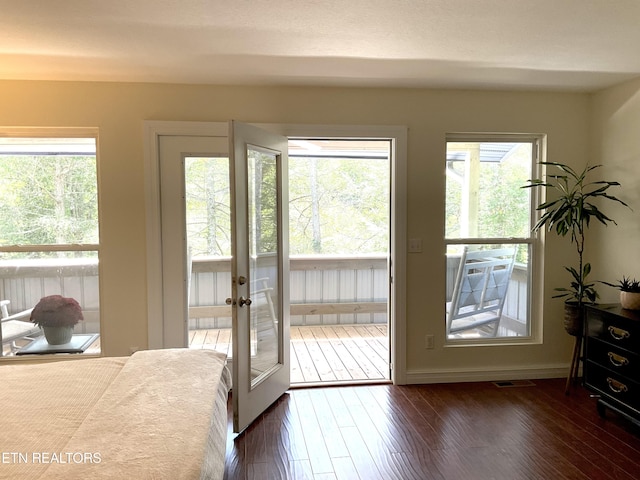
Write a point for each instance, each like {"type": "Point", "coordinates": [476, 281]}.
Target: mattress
{"type": "Point", "coordinates": [159, 414]}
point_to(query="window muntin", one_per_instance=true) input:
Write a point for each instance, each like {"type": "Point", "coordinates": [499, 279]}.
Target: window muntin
{"type": "Point", "coordinates": [486, 208]}
{"type": "Point", "coordinates": [49, 228]}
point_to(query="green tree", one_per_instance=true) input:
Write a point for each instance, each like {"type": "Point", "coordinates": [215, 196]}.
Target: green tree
{"type": "Point", "coordinates": [48, 199]}
{"type": "Point", "coordinates": [208, 205]}
{"type": "Point", "coordinates": [346, 200]}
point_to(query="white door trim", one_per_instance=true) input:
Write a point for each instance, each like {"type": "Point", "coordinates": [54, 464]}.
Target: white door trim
{"type": "Point", "coordinates": [154, 129]}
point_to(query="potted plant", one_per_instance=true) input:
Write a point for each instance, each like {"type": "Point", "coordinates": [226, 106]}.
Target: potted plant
{"type": "Point", "coordinates": [569, 210]}
{"type": "Point", "coordinates": [57, 316]}
{"type": "Point", "coordinates": [629, 292]}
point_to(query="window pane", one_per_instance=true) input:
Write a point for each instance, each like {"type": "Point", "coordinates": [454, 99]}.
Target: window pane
{"type": "Point", "coordinates": [208, 217]}
{"type": "Point", "coordinates": [483, 194]}
{"type": "Point", "coordinates": [26, 278]}
{"type": "Point", "coordinates": [487, 291]}
{"type": "Point", "coordinates": [208, 206]}
{"type": "Point", "coordinates": [48, 191]}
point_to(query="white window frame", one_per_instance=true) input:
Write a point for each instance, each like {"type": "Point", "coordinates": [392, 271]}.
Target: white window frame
{"type": "Point", "coordinates": [61, 132]}
{"type": "Point", "coordinates": [535, 241]}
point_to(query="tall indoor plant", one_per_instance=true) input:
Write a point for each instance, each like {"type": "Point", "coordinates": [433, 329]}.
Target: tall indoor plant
{"type": "Point", "coordinates": [568, 210]}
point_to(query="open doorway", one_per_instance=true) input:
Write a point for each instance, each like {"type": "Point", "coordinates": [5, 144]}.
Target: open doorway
{"type": "Point", "coordinates": [339, 241]}
{"type": "Point", "coordinates": [339, 219]}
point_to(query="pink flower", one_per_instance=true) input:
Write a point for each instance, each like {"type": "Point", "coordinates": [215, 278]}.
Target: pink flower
{"type": "Point", "coordinates": [56, 311]}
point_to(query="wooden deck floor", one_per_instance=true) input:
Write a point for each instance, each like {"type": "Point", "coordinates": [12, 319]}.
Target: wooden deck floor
{"type": "Point", "coordinates": [321, 354]}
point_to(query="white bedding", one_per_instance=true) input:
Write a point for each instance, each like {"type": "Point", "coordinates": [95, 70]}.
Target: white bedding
{"type": "Point", "coordinates": [159, 414]}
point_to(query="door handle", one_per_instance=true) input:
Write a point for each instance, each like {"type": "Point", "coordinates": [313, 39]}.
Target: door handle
{"type": "Point", "coordinates": [241, 301]}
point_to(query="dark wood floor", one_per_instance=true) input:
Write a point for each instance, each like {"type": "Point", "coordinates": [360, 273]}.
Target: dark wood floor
{"type": "Point", "coordinates": [446, 431]}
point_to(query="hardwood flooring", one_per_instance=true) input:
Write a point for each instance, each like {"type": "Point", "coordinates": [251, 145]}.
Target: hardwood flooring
{"type": "Point", "coordinates": [445, 431]}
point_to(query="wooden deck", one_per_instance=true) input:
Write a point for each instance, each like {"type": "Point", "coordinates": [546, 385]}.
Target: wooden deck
{"type": "Point", "coordinates": [321, 354]}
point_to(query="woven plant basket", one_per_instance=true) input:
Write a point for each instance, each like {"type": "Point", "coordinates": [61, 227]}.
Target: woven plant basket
{"type": "Point", "coordinates": [573, 322]}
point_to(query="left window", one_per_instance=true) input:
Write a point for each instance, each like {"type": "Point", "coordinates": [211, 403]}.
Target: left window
{"type": "Point", "coordinates": [49, 242]}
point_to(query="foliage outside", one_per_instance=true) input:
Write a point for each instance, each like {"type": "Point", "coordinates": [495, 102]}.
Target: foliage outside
{"type": "Point", "coordinates": [502, 207]}
{"type": "Point", "coordinates": [337, 206]}
{"type": "Point", "coordinates": [48, 200]}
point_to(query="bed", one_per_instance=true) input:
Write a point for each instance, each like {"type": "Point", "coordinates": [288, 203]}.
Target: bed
{"type": "Point", "coordinates": [159, 414]}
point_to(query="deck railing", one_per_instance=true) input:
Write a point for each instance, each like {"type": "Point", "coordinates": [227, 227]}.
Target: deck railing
{"type": "Point", "coordinates": [25, 282]}
{"type": "Point", "coordinates": [325, 290]}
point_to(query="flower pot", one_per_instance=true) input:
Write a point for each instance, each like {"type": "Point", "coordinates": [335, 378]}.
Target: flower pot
{"type": "Point", "coordinates": [58, 335]}
{"type": "Point", "coordinates": [630, 300]}
{"type": "Point", "coordinates": [573, 320]}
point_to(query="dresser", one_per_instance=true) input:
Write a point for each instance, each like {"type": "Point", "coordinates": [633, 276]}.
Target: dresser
{"type": "Point", "coordinates": [612, 358]}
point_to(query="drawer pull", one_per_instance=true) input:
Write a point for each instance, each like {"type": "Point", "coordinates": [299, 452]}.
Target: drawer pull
{"type": "Point", "coordinates": [618, 333]}
{"type": "Point", "coordinates": [617, 360]}
{"type": "Point", "coordinates": [616, 386]}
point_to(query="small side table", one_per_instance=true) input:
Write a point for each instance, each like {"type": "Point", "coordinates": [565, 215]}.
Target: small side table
{"type": "Point", "coordinates": [78, 344]}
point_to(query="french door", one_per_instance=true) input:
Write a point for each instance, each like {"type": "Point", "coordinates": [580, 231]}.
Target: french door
{"type": "Point", "coordinates": [258, 169]}
{"type": "Point", "coordinates": [168, 146]}
{"type": "Point", "coordinates": [259, 263]}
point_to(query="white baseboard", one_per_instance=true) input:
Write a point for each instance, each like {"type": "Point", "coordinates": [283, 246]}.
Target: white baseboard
{"type": "Point", "coordinates": [485, 375]}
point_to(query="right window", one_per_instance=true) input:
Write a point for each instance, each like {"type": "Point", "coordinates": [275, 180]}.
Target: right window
{"type": "Point", "coordinates": [490, 246]}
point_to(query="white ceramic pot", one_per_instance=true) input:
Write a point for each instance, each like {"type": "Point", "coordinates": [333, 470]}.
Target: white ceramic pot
{"type": "Point", "coordinates": [630, 300]}
{"type": "Point", "coordinates": [58, 335]}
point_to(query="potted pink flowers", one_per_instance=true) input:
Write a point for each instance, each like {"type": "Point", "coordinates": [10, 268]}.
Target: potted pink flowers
{"type": "Point", "coordinates": [57, 315]}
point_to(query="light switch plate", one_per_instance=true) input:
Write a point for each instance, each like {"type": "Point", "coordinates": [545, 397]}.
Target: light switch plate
{"type": "Point", "coordinates": [415, 245]}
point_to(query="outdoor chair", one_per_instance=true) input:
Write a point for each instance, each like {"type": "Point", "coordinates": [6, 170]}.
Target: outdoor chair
{"type": "Point", "coordinates": [480, 290]}
{"type": "Point", "coordinates": [16, 327]}
{"type": "Point", "coordinates": [261, 298]}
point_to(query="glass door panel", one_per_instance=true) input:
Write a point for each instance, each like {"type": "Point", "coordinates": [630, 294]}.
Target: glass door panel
{"type": "Point", "coordinates": [208, 226]}
{"type": "Point", "coordinates": [263, 254]}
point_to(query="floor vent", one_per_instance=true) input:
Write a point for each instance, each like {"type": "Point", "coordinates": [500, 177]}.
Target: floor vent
{"type": "Point", "coordinates": [514, 383]}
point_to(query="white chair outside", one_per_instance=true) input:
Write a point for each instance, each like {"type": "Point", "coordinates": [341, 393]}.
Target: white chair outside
{"type": "Point", "coordinates": [16, 327]}
{"type": "Point", "coordinates": [261, 298]}
{"type": "Point", "coordinates": [480, 290]}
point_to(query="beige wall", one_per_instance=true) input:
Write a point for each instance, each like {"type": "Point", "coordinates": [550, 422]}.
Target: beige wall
{"type": "Point", "coordinates": [616, 145]}
{"type": "Point", "coordinates": [120, 109]}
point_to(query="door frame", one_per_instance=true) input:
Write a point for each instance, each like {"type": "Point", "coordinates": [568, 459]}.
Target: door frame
{"type": "Point", "coordinates": [153, 130]}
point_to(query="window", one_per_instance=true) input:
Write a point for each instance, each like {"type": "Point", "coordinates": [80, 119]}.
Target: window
{"type": "Point", "coordinates": [490, 246]}
{"type": "Point", "coordinates": [49, 233]}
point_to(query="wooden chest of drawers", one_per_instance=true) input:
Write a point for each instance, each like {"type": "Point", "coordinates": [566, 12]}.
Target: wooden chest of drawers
{"type": "Point", "coordinates": [612, 358]}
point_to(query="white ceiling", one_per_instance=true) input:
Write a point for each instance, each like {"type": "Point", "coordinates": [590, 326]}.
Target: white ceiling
{"type": "Point", "coordinates": [575, 45]}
